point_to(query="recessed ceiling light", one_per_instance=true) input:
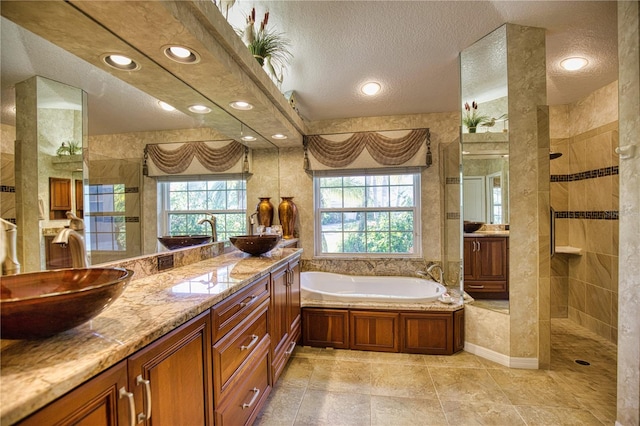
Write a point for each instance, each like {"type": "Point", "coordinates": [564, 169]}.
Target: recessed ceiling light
{"type": "Point", "coordinates": [200, 109]}
{"type": "Point", "coordinates": [248, 138]}
{"type": "Point", "coordinates": [165, 106]}
{"type": "Point", "coordinates": [241, 105]}
{"type": "Point", "coordinates": [370, 88]}
{"type": "Point", "coordinates": [181, 54]}
{"type": "Point", "coordinates": [120, 62]}
{"type": "Point", "coordinates": [573, 64]}
{"type": "Point", "coordinates": [278, 136]}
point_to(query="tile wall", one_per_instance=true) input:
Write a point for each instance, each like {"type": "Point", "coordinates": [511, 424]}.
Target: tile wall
{"type": "Point", "coordinates": [584, 193]}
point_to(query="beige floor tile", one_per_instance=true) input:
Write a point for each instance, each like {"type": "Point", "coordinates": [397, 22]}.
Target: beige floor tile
{"type": "Point", "coordinates": [345, 354]}
{"type": "Point", "coordinates": [533, 387]}
{"type": "Point", "coordinates": [481, 413]}
{"type": "Point", "coordinates": [341, 376]}
{"type": "Point", "coordinates": [557, 416]}
{"type": "Point", "coordinates": [459, 360]}
{"type": "Point", "coordinates": [393, 358]}
{"type": "Point", "coordinates": [281, 407]}
{"type": "Point", "coordinates": [466, 384]}
{"type": "Point", "coordinates": [305, 352]}
{"type": "Point", "coordinates": [409, 381]}
{"type": "Point", "coordinates": [335, 409]}
{"type": "Point", "coordinates": [386, 411]}
{"type": "Point", "coordinates": [298, 372]}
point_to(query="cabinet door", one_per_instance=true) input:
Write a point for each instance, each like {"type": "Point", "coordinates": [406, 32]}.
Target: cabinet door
{"type": "Point", "coordinates": [469, 258]}
{"type": "Point", "coordinates": [279, 327]}
{"type": "Point", "coordinates": [95, 403]}
{"type": "Point", "coordinates": [427, 333]}
{"type": "Point", "coordinates": [294, 314]}
{"type": "Point", "coordinates": [491, 259]}
{"type": "Point", "coordinates": [374, 331]}
{"type": "Point", "coordinates": [178, 370]}
{"type": "Point", "coordinates": [60, 193]}
{"type": "Point", "coordinates": [324, 328]}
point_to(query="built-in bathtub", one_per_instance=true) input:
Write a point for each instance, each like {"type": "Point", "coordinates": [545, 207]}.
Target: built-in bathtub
{"type": "Point", "coordinates": [386, 314]}
{"type": "Point", "coordinates": [326, 286]}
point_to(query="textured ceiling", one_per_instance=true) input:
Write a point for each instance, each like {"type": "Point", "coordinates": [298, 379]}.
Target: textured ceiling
{"type": "Point", "coordinates": [411, 47]}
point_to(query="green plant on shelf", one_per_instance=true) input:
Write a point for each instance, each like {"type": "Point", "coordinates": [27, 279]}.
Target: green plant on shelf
{"type": "Point", "coordinates": [69, 148]}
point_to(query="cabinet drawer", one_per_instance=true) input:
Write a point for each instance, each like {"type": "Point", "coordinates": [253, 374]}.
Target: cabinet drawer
{"type": "Point", "coordinates": [485, 286]}
{"type": "Point", "coordinates": [232, 350]}
{"type": "Point", "coordinates": [248, 393]}
{"type": "Point", "coordinates": [231, 311]}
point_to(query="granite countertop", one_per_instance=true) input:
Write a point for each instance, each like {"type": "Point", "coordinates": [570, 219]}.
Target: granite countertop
{"type": "Point", "coordinates": [34, 373]}
{"type": "Point", "coordinates": [487, 234]}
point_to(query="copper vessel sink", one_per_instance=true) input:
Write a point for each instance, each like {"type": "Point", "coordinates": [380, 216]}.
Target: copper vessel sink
{"type": "Point", "coordinates": [255, 244]}
{"type": "Point", "coordinates": [173, 242]}
{"type": "Point", "coordinates": [41, 304]}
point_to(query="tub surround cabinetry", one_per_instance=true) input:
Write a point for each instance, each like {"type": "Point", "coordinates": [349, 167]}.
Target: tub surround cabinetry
{"type": "Point", "coordinates": [421, 332]}
{"type": "Point", "coordinates": [198, 334]}
{"type": "Point", "coordinates": [486, 266]}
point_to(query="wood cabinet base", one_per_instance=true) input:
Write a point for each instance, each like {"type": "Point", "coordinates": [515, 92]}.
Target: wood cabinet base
{"type": "Point", "coordinates": [423, 332]}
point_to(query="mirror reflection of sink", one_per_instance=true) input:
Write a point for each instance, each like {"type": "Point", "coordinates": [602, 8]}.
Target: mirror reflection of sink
{"type": "Point", "coordinates": [173, 242]}
{"type": "Point", "coordinates": [41, 304]}
{"type": "Point", "coordinates": [255, 244]}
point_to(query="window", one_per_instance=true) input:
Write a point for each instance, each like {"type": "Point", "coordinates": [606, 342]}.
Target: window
{"type": "Point", "coordinates": [107, 227]}
{"type": "Point", "coordinates": [184, 203]}
{"type": "Point", "coordinates": [368, 213]}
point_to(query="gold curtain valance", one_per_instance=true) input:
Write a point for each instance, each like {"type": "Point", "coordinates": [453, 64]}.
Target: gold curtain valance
{"type": "Point", "coordinates": [216, 160]}
{"type": "Point", "coordinates": [385, 150]}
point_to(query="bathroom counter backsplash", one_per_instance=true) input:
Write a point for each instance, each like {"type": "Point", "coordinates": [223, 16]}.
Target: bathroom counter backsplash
{"type": "Point", "coordinates": [35, 373]}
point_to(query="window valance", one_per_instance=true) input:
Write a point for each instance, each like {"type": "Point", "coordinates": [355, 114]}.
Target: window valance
{"type": "Point", "coordinates": [194, 158]}
{"type": "Point", "coordinates": [398, 148]}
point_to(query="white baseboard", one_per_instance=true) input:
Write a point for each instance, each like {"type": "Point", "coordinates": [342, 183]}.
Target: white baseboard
{"type": "Point", "coordinates": [507, 361]}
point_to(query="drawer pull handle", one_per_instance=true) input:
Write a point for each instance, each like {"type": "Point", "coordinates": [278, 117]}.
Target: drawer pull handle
{"type": "Point", "coordinates": [122, 392]}
{"type": "Point", "coordinates": [147, 393]}
{"type": "Point", "coordinates": [292, 346]}
{"type": "Point", "coordinates": [475, 286]}
{"type": "Point", "coordinates": [256, 392]}
{"type": "Point", "coordinates": [254, 340]}
{"type": "Point", "coordinates": [248, 300]}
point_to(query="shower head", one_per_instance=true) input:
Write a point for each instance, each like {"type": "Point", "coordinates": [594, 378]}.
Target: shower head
{"type": "Point", "coordinates": [554, 155]}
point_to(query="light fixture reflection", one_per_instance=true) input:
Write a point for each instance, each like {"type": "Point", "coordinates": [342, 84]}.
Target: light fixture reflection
{"type": "Point", "coordinates": [241, 105]}
{"type": "Point", "coordinates": [278, 136]}
{"type": "Point", "coordinates": [165, 106]}
{"type": "Point", "coordinates": [200, 109]}
{"type": "Point", "coordinates": [574, 63]}
{"type": "Point", "coordinates": [248, 138]}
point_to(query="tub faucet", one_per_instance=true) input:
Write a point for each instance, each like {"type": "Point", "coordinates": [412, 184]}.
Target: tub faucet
{"type": "Point", "coordinates": [437, 266]}
{"type": "Point", "coordinates": [9, 264]}
{"type": "Point", "coordinates": [212, 222]}
{"type": "Point", "coordinates": [73, 237]}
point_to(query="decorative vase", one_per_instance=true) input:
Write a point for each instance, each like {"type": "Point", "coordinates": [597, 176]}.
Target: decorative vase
{"type": "Point", "coordinates": [472, 129]}
{"type": "Point", "coordinates": [265, 212]}
{"type": "Point", "coordinates": [287, 211]}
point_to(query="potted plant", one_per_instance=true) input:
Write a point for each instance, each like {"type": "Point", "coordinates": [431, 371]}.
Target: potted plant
{"type": "Point", "coordinates": [471, 118]}
{"type": "Point", "coordinates": [68, 148]}
{"type": "Point", "coordinates": [270, 48]}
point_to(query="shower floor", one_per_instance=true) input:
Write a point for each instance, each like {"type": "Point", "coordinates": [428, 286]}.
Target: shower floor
{"type": "Point", "coordinates": [342, 387]}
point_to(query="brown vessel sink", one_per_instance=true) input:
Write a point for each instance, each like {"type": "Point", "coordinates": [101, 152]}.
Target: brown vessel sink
{"type": "Point", "coordinates": [40, 304]}
{"type": "Point", "coordinates": [173, 242]}
{"type": "Point", "coordinates": [470, 227]}
{"type": "Point", "coordinates": [255, 244]}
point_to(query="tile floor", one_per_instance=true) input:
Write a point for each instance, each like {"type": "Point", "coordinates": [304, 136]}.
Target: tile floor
{"type": "Point", "coordinates": [340, 387]}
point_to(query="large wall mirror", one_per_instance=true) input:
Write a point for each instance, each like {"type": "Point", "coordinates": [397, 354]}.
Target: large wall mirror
{"type": "Point", "coordinates": [121, 120]}
{"type": "Point", "coordinates": [484, 147]}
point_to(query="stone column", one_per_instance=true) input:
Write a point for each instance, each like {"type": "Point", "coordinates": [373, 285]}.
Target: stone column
{"type": "Point", "coordinates": [628, 406]}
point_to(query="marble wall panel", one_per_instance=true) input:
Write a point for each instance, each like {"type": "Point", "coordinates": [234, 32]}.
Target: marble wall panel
{"type": "Point", "coordinates": [628, 331]}
{"type": "Point", "coordinates": [488, 329]}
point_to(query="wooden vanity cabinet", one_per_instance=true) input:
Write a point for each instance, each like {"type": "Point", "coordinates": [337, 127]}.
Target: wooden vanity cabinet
{"type": "Point", "coordinates": [177, 368]}
{"type": "Point", "coordinates": [285, 314]}
{"type": "Point", "coordinates": [241, 354]}
{"type": "Point", "coordinates": [59, 197]}
{"type": "Point", "coordinates": [486, 267]}
{"type": "Point", "coordinates": [95, 403]}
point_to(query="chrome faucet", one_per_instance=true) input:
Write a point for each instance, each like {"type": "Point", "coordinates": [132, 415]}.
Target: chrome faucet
{"type": "Point", "coordinates": [437, 266]}
{"type": "Point", "coordinates": [73, 237]}
{"type": "Point", "coordinates": [212, 222]}
{"type": "Point", "coordinates": [252, 222]}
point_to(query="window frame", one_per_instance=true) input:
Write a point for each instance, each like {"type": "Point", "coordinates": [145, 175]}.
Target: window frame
{"type": "Point", "coordinates": [417, 215]}
{"type": "Point", "coordinates": [164, 200]}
